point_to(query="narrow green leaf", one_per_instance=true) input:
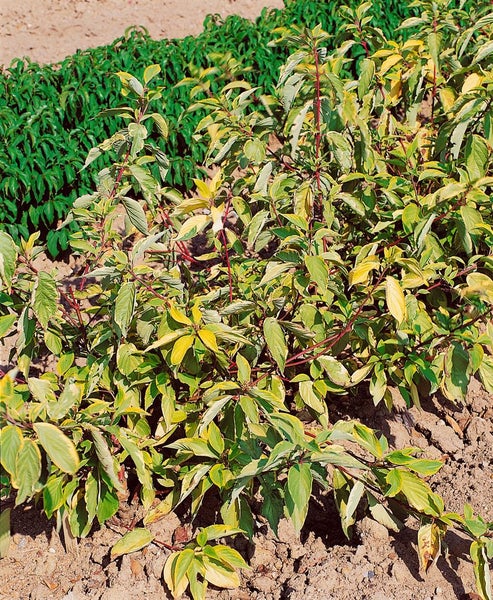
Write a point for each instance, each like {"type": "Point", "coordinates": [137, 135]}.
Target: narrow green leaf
{"type": "Point", "coordinates": [125, 306]}
{"type": "Point", "coordinates": [276, 342]}
{"type": "Point", "coordinates": [476, 157]}
{"type": "Point", "coordinates": [27, 470]}
{"type": "Point", "coordinates": [481, 569]}
{"type": "Point", "coordinates": [105, 457]}
{"type": "Point", "coordinates": [319, 272]}
{"type": "Point", "coordinates": [136, 214]}
{"type": "Point", "coordinates": [44, 299]}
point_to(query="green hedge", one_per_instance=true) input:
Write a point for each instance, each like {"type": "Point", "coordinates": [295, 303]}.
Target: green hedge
{"type": "Point", "coordinates": [48, 113]}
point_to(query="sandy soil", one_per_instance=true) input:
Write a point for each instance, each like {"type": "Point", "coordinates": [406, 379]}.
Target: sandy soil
{"type": "Point", "coordinates": [49, 30]}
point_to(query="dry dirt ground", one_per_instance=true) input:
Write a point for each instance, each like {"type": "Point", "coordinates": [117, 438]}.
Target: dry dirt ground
{"type": "Point", "coordinates": [49, 30]}
{"type": "Point", "coordinates": [321, 565]}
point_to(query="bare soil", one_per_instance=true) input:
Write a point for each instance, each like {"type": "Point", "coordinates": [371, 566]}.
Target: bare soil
{"type": "Point", "coordinates": [321, 565]}
{"type": "Point", "coordinates": [47, 31]}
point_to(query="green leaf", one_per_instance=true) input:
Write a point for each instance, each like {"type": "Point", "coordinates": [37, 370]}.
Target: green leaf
{"type": "Point", "coordinates": [310, 398]}
{"type": "Point", "coordinates": [382, 515]}
{"type": "Point", "coordinates": [11, 441]}
{"type": "Point", "coordinates": [143, 470]}
{"type": "Point", "coordinates": [476, 157]}
{"type": "Point", "coordinates": [481, 569]}
{"type": "Point", "coordinates": [92, 155]}
{"type": "Point", "coordinates": [244, 369]}
{"type": "Point", "coordinates": [335, 370]}
{"type": "Point", "coordinates": [254, 150]}
{"type": "Point", "coordinates": [298, 492]}
{"type": "Point", "coordinates": [27, 470]}
{"type": "Point", "coordinates": [319, 272]}
{"type": "Point", "coordinates": [125, 306]}
{"type": "Point", "coordinates": [106, 459]}
{"type": "Point", "coordinates": [138, 133]}
{"type": "Point", "coordinates": [134, 540]}
{"type": "Point", "coordinates": [420, 465]}
{"type": "Point", "coordinates": [168, 570]}
{"type": "Point", "coordinates": [41, 389]}
{"type": "Point", "coordinates": [367, 72]}
{"type": "Point", "coordinates": [230, 557]}
{"type": "Point", "coordinates": [220, 574]}
{"type": "Point", "coordinates": [276, 342]}
{"type": "Point", "coordinates": [58, 446]}
{"type": "Point", "coordinates": [353, 501]}
{"type": "Point", "coordinates": [146, 181]}
{"type": "Point", "coordinates": [136, 214]}
{"type": "Point", "coordinates": [161, 124]}
{"type": "Point", "coordinates": [396, 302]}
{"type": "Point", "coordinates": [44, 300]}
{"type": "Point", "coordinates": [417, 492]}
{"type": "Point", "coordinates": [71, 396]}
{"type": "Point", "coordinates": [150, 72]}
{"type": "Point", "coordinates": [181, 565]}
{"type": "Point", "coordinates": [6, 323]}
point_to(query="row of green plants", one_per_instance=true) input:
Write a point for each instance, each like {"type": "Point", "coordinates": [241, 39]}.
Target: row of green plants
{"type": "Point", "coordinates": [45, 108]}
{"type": "Point", "coordinates": [340, 246]}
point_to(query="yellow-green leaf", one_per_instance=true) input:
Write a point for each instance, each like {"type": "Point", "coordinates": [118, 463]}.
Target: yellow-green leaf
{"type": "Point", "coordinates": [192, 226]}
{"type": "Point", "coordinates": [150, 72]}
{"type": "Point", "coordinates": [8, 258]}
{"type": "Point", "coordinates": [208, 339]}
{"type": "Point", "coordinates": [179, 316]}
{"type": "Point", "coordinates": [134, 540]}
{"type": "Point", "coordinates": [180, 348]}
{"type": "Point", "coordinates": [167, 339]}
{"type": "Point", "coordinates": [276, 342]}
{"type": "Point", "coordinates": [220, 574]}
{"type": "Point", "coordinates": [429, 545]}
{"type": "Point", "coordinates": [58, 446]}
{"type": "Point", "coordinates": [361, 272]}
{"type": "Point", "coordinates": [169, 566]}
{"type": "Point", "coordinates": [27, 469]}
{"type": "Point", "coordinates": [10, 443]}
{"type": "Point", "coordinates": [396, 302]}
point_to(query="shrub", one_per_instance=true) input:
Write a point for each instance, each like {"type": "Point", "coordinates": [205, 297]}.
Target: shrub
{"type": "Point", "coordinates": [341, 245]}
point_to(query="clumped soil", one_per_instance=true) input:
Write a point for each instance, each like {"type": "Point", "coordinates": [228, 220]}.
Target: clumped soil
{"type": "Point", "coordinates": [320, 564]}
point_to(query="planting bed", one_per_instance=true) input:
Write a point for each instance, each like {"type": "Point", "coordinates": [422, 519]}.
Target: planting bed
{"type": "Point", "coordinates": [319, 565]}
